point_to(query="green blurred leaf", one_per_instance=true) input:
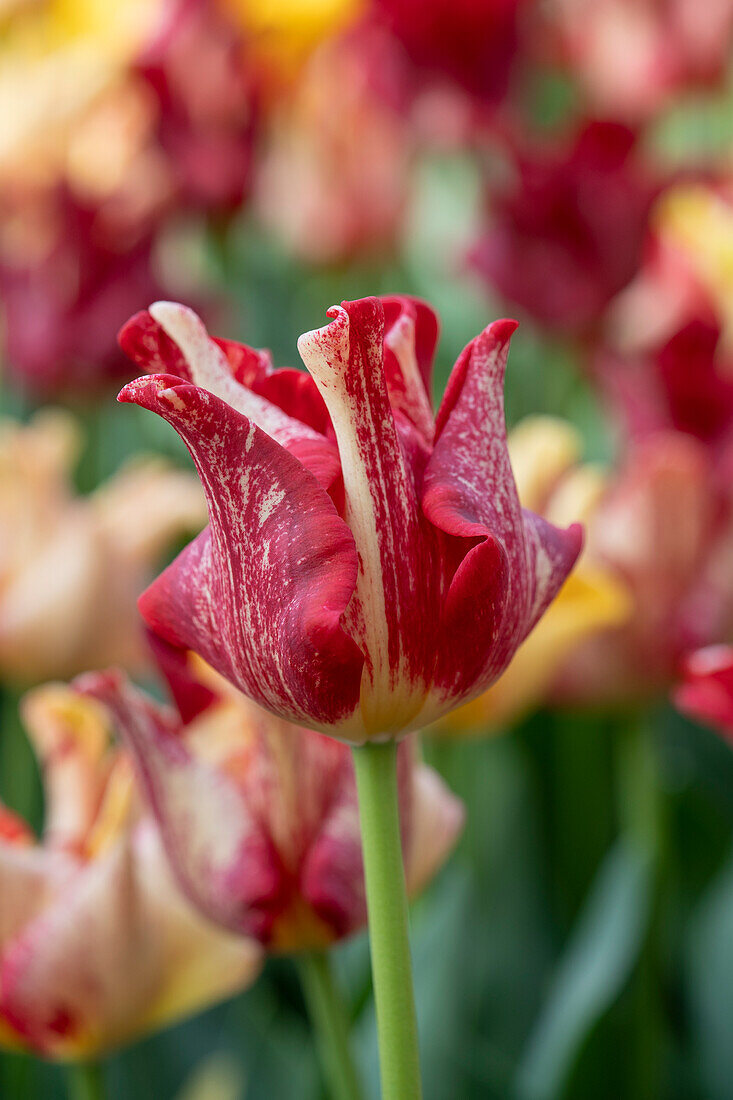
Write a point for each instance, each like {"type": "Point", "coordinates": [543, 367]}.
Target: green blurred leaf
{"type": "Point", "coordinates": [709, 974]}
{"type": "Point", "coordinates": [592, 972]}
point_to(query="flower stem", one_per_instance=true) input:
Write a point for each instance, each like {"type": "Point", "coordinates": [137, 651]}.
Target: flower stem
{"type": "Point", "coordinates": [85, 1081]}
{"type": "Point", "coordinates": [329, 1019]}
{"type": "Point", "coordinates": [399, 1057]}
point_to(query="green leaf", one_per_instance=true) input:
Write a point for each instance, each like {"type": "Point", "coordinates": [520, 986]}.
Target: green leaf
{"type": "Point", "coordinates": [710, 984]}
{"type": "Point", "coordinates": [592, 972]}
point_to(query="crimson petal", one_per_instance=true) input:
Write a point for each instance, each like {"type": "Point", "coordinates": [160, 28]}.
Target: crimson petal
{"type": "Point", "coordinates": [260, 594]}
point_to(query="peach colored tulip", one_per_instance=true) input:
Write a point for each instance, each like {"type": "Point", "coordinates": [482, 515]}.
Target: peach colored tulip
{"type": "Point", "coordinates": [343, 134]}
{"type": "Point", "coordinates": [97, 945]}
{"type": "Point", "coordinates": [660, 528]}
{"type": "Point", "coordinates": [71, 567]}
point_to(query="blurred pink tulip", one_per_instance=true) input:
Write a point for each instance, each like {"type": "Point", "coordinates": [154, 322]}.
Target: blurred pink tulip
{"type": "Point", "coordinates": [343, 134]}
{"type": "Point", "coordinates": [632, 56]}
{"type": "Point", "coordinates": [205, 95]}
{"type": "Point", "coordinates": [667, 362]}
{"type": "Point", "coordinates": [259, 817]}
{"type": "Point", "coordinates": [662, 530]}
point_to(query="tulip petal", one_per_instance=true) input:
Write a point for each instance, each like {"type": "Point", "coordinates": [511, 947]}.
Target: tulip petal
{"type": "Point", "coordinates": [190, 695]}
{"type": "Point", "coordinates": [220, 854]}
{"type": "Point", "coordinates": [261, 593]}
{"type": "Point", "coordinates": [180, 343]}
{"type": "Point", "coordinates": [70, 738]}
{"type": "Point", "coordinates": [515, 562]}
{"type": "Point", "coordinates": [396, 589]}
{"type": "Point", "coordinates": [410, 338]}
{"type": "Point", "coordinates": [436, 821]}
{"type": "Point", "coordinates": [29, 876]}
{"type": "Point", "coordinates": [706, 693]}
{"type": "Point", "coordinates": [83, 968]}
{"type": "Point", "coordinates": [117, 952]}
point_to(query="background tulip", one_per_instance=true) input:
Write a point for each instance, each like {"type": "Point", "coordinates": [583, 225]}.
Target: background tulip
{"type": "Point", "coordinates": [71, 567]}
{"type": "Point", "coordinates": [97, 945]}
{"type": "Point", "coordinates": [272, 849]}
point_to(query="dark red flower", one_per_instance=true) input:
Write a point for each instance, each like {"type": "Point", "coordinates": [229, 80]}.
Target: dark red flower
{"type": "Point", "coordinates": [470, 43]}
{"type": "Point", "coordinates": [198, 70]}
{"type": "Point", "coordinates": [566, 235]}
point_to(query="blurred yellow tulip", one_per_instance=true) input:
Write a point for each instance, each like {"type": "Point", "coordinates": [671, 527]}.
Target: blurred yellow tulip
{"type": "Point", "coordinates": [284, 32]}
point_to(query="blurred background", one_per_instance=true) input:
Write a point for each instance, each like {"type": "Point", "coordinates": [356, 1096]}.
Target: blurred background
{"type": "Point", "coordinates": [568, 163]}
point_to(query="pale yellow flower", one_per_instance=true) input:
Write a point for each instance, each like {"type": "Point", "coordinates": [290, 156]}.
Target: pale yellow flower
{"type": "Point", "coordinates": [71, 567]}
{"type": "Point", "coordinates": [97, 944]}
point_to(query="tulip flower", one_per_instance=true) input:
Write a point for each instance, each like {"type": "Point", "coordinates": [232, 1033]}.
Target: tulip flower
{"type": "Point", "coordinates": [261, 824]}
{"type": "Point", "coordinates": [632, 56]}
{"type": "Point", "coordinates": [675, 568]}
{"type": "Point", "coordinates": [579, 211]}
{"type": "Point", "coordinates": [545, 455]}
{"type": "Point", "coordinates": [668, 356]}
{"type": "Point", "coordinates": [344, 135]}
{"type": "Point", "coordinates": [71, 567]}
{"type": "Point", "coordinates": [97, 944]}
{"type": "Point", "coordinates": [469, 43]}
{"type": "Point", "coordinates": [342, 610]}
{"type": "Point", "coordinates": [259, 818]}
{"type": "Point", "coordinates": [706, 690]}
{"type": "Point", "coordinates": [367, 567]}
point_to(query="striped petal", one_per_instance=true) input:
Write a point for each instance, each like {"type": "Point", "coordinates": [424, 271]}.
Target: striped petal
{"type": "Point", "coordinates": [261, 593]}
{"type": "Point", "coordinates": [171, 339]}
{"type": "Point", "coordinates": [510, 563]}
{"type": "Point", "coordinates": [410, 338]}
{"type": "Point", "coordinates": [397, 588]}
{"type": "Point", "coordinates": [223, 859]}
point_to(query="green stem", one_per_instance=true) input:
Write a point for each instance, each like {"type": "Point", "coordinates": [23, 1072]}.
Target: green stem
{"type": "Point", "coordinates": [399, 1057]}
{"type": "Point", "coordinates": [329, 1019]}
{"type": "Point", "coordinates": [85, 1081]}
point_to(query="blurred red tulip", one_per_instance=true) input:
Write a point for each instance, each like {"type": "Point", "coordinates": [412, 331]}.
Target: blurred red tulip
{"type": "Point", "coordinates": [470, 43]}
{"type": "Point", "coordinates": [566, 235]}
{"type": "Point", "coordinates": [706, 690]}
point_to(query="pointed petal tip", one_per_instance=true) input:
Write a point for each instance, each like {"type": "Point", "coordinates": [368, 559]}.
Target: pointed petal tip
{"type": "Point", "coordinates": [152, 390]}
{"type": "Point", "coordinates": [501, 331]}
{"type": "Point", "coordinates": [98, 685]}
